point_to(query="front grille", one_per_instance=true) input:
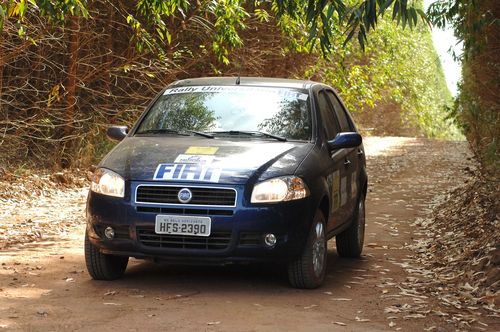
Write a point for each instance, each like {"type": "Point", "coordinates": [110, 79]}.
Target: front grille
{"type": "Point", "coordinates": [216, 241]}
{"type": "Point", "coordinates": [201, 195]}
{"type": "Point", "coordinates": [213, 212]}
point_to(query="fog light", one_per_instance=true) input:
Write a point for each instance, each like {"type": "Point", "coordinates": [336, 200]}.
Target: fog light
{"type": "Point", "coordinates": [109, 232]}
{"type": "Point", "coordinates": [270, 240]}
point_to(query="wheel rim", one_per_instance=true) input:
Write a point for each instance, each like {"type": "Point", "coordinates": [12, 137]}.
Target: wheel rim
{"type": "Point", "coordinates": [361, 222]}
{"type": "Point", "coordinates": [319, 249]}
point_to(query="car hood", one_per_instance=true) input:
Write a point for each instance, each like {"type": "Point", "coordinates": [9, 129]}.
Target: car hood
{"type": "Point", "coordinates": [233, 161]}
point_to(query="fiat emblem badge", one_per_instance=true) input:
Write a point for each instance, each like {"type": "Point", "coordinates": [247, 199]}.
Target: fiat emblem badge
{"type": "Point", "coordinates": [184, 195]}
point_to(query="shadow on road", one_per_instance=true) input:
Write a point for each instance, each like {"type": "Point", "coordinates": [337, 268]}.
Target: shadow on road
{"type": "Point", "coordinates": [236, 278]}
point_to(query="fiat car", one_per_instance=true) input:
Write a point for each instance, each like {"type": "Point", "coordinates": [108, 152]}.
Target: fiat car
{"type": "Point", "coordinates": [231, 170]}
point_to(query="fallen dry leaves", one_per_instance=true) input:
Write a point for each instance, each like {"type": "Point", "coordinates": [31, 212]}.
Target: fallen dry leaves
{"type": "Point", "coordinates": [40, 207]}
{"type": "Point", "coordinates": [457, 255]}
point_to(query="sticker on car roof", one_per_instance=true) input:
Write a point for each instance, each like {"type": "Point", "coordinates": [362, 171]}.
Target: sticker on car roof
{"type": "Point", "coordinates": [201, 150]}
{"type": "Point", "coordinates": [187, 172]}
{"type": "Point", "coordinates": [194, 159]}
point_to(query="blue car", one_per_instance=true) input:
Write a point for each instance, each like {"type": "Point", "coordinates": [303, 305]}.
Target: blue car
{"type": "Point", "coordinates": [231, 170]}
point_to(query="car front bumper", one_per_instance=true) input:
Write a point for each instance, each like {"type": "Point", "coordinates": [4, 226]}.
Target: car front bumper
{"type": "Point", "coordinates": [237, 233]}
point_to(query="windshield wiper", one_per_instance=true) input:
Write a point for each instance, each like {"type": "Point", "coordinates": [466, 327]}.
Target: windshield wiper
{"type": "Point", "coordinates": [279, 138]}
{"type": "Point", "coordinates": [253, 133]}
{"type": "Point", "coordinates": [159, 131]}
{"type": "Point", "coordinates": [207, 135]}
{"type": "Point", "coordinates": [173, 131]}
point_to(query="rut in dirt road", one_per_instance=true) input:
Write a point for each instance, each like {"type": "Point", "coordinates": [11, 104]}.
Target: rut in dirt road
{"type": "Point", "coordinates": [44, 285]}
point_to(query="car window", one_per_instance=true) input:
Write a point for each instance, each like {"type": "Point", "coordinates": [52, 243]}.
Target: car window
{"type": "Point", "coordinates": [328, 116]}
{"type": "Point", "coordinates": [340, 111]}
{"type": "Point", "coordinates": [224, 110]}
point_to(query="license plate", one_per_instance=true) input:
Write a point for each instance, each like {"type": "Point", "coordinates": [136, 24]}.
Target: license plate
{"type": "Point", "coordinates": [183, 225]}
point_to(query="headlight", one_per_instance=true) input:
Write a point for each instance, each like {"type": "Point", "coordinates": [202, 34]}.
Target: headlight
{"type": "Point", "coordinates": [286, 188]}
{"type": "Point", "coordinates": [107, 182]}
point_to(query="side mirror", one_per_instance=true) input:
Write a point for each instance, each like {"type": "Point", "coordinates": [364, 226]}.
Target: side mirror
{"type": "Point", "coordinates": [345, 140]}
{"type": "Point", "coordinates": [117, 132]}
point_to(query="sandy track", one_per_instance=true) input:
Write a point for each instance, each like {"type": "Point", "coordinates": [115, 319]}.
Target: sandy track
{"type": "Point", "coordinates": [44, 285]}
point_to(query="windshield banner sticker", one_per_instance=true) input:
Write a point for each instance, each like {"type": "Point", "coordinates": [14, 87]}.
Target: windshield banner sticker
{"type": "Point", "coordinates": [194, 159]}
{"type": "Point", "coordinates": [290, 93]}
{"type": "Point", "coordinates": [201, 150]}
{"type": "Point", "coordinates": [187, 172]}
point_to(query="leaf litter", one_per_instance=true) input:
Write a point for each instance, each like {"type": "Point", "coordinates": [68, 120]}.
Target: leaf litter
{"type": "Point", "coordinates": [41, 207]}
{"type": "Point", "coordinates": [452, 270]}
{"type": "Point", "coordinates": [457, 255]}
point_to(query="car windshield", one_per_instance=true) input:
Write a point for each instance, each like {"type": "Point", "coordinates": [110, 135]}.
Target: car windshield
{"type": "Point", "coordinates": [236, 111]}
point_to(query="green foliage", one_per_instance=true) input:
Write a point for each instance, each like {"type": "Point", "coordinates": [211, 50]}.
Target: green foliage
{"type": "Point", "coordinates": [151, 22]}
{"type": "Point", "coordinates": [54, 10]}
{"type": "Point", "coordinates": [382, 77]}
{"type": "Point", "coordinates": [475, 24]}
{"type": "Point", "coordinates": [325, 19]}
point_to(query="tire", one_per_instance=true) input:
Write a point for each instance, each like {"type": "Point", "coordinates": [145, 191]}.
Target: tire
{"type": "Point", "coordinates": [350, 242]}
{"type": "Point", "coordinates": [101, 266]}
{"type": "Point", "coordinates": [308, 271]}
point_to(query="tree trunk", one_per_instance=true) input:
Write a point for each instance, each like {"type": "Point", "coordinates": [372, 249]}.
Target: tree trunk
{"type": "Point", "coordinates": [73, 28]}
{"type": "Point", "coordinates": [109, 64]}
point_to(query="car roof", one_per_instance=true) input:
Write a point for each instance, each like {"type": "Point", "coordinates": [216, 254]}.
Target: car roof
{"type": "Point", "coordinates": [246, 81]}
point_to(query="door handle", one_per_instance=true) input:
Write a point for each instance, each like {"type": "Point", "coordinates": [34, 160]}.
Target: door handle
{"type": "Point", "coordinates": [360, 152]}
{"type": "Point", "coordinates": [347, 162]}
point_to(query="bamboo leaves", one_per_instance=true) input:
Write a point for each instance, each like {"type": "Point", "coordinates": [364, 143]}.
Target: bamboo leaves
{"type": "Point", "coordinates": [54, 10]}
{"type": "Point", "coordinates": [327, 19]}
{"type": "Point", "coordinates": [155, 22]}
{"type": "Point", "coordinates": [230, 16]}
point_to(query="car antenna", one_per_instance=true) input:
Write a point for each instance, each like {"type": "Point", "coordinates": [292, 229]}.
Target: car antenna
{"type": "Point", "coordinates": [238, 79]}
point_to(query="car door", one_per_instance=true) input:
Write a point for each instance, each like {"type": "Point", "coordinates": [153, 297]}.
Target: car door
{"type": "Point", "coordinates": [349, 190]}
{"type": "Point", "coordinates": [334, 160]}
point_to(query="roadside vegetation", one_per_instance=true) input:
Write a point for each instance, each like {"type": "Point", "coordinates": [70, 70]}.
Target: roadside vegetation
{"type": "Point", "coordinates": [477, 110]}
{"type": "Point", "coordinates": [70, 69]}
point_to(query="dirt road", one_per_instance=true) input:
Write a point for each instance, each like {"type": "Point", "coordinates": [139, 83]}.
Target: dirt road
{"type": "Point", "coordinates": [44, 285]}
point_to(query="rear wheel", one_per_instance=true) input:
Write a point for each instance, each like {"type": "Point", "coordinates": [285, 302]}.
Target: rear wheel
{"type": "Point", "coordinates": [350, 242]}
{"type": "Point", "coordinates": [308, 271]}
{"type": "Point", "coordinates": [101, 266]}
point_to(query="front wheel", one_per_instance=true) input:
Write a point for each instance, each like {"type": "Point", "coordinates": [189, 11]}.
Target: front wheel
{"type": "Point", "coordinates": [350, 242]}
{"type": "Point", "coordinates": [308, 271]}
{"type": "Point", "coordinates": [101, 266]}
